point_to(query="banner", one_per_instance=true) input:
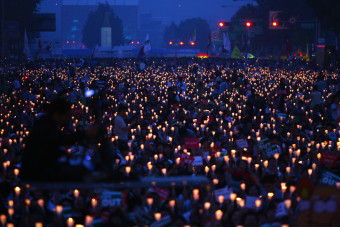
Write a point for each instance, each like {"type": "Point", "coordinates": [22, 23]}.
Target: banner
{"type": "Point", "coordinates": [329, 159]}
{"type": "Point", "coordinates": [329, 178]}
{"type": "Point", "coordinates": [272, 150]}
{"type": "Point", "coordinates": [223, 191]}
{"type": "Point", "coordinates": [111, 198]}
{"type": "Point", "coordinates": [242, 143]}
{"type": "Point", "coordinates": [198, 161]}
{"type": "Point", "coordinates": [192, 143]}
{"type": "Point", "coordinates": [264, 144]}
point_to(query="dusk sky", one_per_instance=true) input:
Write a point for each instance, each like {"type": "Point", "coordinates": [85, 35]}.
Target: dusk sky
{"type": "Point", "coordinates": [176, 10]}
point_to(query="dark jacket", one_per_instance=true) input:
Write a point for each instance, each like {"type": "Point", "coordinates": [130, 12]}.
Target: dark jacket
{"type": "Point", "coordinates": [43, 150]}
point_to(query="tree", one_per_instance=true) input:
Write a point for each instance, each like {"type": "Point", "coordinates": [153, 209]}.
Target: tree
{"type": "Point", "coordinates": [186, 30]}
{"type": "Point", "coordinates": [273, 41]}
{"type": "Point", "coordinates": [92, 29]}
{"type": "Point", "coordinates": [327, 12]}
{"type": "Point", "coordinates": [20, 11]}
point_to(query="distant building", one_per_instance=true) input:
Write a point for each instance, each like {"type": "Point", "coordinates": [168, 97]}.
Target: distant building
{"type": "Point", "coordinates": [71, 16]}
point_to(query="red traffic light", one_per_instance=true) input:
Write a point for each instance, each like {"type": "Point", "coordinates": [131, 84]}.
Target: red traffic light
{"type": "Point", "coordinates": [275, 24]}
{"type": "Point", "coordinates": [221, 24]}
{"type": "Point", "coordinates": [249, 24]}
{"type": "Point", "coordinates": [170, 43]}
{"type": "Point", "coordinates": [181, 43]}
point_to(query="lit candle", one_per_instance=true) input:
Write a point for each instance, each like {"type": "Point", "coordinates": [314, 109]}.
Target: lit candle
{"type": "Point", "coordinates": [59, 209]}
{"type": "Point", "coordinates": [207, 205]}
{"type": "Point", "coordinates": [88, 220]}
{"type": "Point", "coordinates": [158, 216]}
{"type": "Point", "coordinates": [195, 193]}
{"type": "Point", "coordinates": [76, 193]}
{"type": "Point", "coordinates": [17, 191]}
{"type": "Point", "coordinates": [70, 222]}
{"type": "Point", "coordinates": [218, 215]}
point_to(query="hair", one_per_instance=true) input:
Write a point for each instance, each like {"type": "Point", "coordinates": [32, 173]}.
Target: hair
{"type": "Point", "coordinates": [122, 107]}
{"type": "Point", "coordinates": [59, 106]}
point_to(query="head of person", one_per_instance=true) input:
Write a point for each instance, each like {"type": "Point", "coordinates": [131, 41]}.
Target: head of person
{"type": "Point", "coordinates": [60, 111]}
{"type": "Point", "coordinates": [122, 110]}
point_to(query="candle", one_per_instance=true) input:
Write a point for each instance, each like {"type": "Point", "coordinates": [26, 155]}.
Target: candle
{"type": "Point", "coordinates": [287, 203]}
{"type": "Point", "coordinates": [258, 203]}
{"type": "Point", "coordinates": [158, 216]}
{"type": "Point", "coordinates": [172, 203]}
{"type": "Point", "coordinates": [220, 199]}
{"type": "Point", "coordinates": [270, 195]}
{"type": "Point", "coordinates": [17, 191]}
{"type": "Point", "coordinates": [59, 209]}
{"type": "Point", "coordinates": [41, 203]}
{"type": "Point", "coordinates": [70, 222]}
{"type": "Point", "coordinates": [88, 220]}
{"type": "Point", "coordinates": [149, 201]}
{"type": "Point", "coordinates": [38, 224]}
{"type": "Point", "coordinates": [3, 219]}
{"type": "Point", "coordinates": [195, 193]}
{"type": "Point", "coordinates": [128, 170]}
{"type": "Point", "coordinates": [207, 205]}
{"type": "Point", "coordinates": [218, 215]}
{"type": "Point", "coordinates": [76, 193]}
{"type": "Point", "coordinates": [233, 196]}
{"type": "Point", "coordinates": [94, 202]}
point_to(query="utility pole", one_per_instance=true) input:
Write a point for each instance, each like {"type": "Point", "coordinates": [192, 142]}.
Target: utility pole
{"type": "Point", "coordinates": [3, 30]}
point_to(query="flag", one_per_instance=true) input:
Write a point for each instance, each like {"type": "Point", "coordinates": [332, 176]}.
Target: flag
{"type": "Point", "coordinates": [147, 45]}
{"type": "Point", "coordinates": [244, 44]}
{"type": "Point", "coordinates": [40, 47]}
{"type": "Point", "coordinates": [194, 36]}
{"type": "Point", "coordinates": [209, 43]}
{"type": "Point", "coordinates": [288, 47]}
{"type": "Point", "coordinates": [226, 43]}
{"type": "Point", "coordinates": [141, 52]}
{"type": "Point", "coordinates": [26, 50]}
{"type": "Point", "coordinates": [95, 51]}
{"type": "Point", "coordinates": [49, 46]}
{"type": "Point", "coordinates": [236, 53]}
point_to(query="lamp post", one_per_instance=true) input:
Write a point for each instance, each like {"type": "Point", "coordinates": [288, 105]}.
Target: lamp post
{"type": "Point", "coordinates": [3, 30]}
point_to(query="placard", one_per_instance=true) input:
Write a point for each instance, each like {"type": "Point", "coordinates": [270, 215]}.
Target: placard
{"type": "Point", "coordinates": [198, 161]}
{"type": "Point", "coordinates": [242, 143]}
{"type": "Point", "coordinates": [329, 178]}
{"type": "Point", "coordinates": [111, 198]}
{"type": "Point", "coordinates": [264, 144]}
{"type": "Point", "coordinates": [192, 143]}
{"type": "Point", "coordinates": [223, 191]}
{"type": "Point", "coordinates": [329, 159]}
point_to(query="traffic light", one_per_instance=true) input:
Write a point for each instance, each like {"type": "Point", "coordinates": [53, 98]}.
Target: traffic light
{"type": "Point", "coordinates": [170, 43]}
{"type": "Point", "coordinates": [249, 24]}
{"type": "Point", "coordinates": [181, 43]}
{"type": "Point", "coordinates": [222, 24]}
{"type": "Point", "coordinates": [192, 43]}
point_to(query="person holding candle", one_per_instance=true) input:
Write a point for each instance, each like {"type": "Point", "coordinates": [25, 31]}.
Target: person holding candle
{"type": "Point", "coordinates": [42, 154]}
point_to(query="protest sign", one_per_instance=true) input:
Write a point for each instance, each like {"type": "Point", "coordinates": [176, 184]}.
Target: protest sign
{"type": "Point", "coordinates": [111, 198]}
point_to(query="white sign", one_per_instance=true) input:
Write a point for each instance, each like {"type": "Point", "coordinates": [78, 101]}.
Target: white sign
{"type": "Point", "coordinates": [198, 161]}
{"type": "Point", "coordinates": [223, 191]}
{"type": "Point", "coordinates": [242, 143]}
{"type": "Point", "coordinates": [250, 202]}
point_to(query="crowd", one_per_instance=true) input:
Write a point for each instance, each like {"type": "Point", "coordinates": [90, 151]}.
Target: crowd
{"type": "Point", "coordinates": [265, 134]}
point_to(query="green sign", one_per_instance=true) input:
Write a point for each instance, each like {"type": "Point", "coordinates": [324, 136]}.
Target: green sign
{"type": "Point", "coordinates": [264, 144]}
{"type": "Point", "coordinates": [272, 150]}
{"type": "Point", "coordinates": [111, 198]}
